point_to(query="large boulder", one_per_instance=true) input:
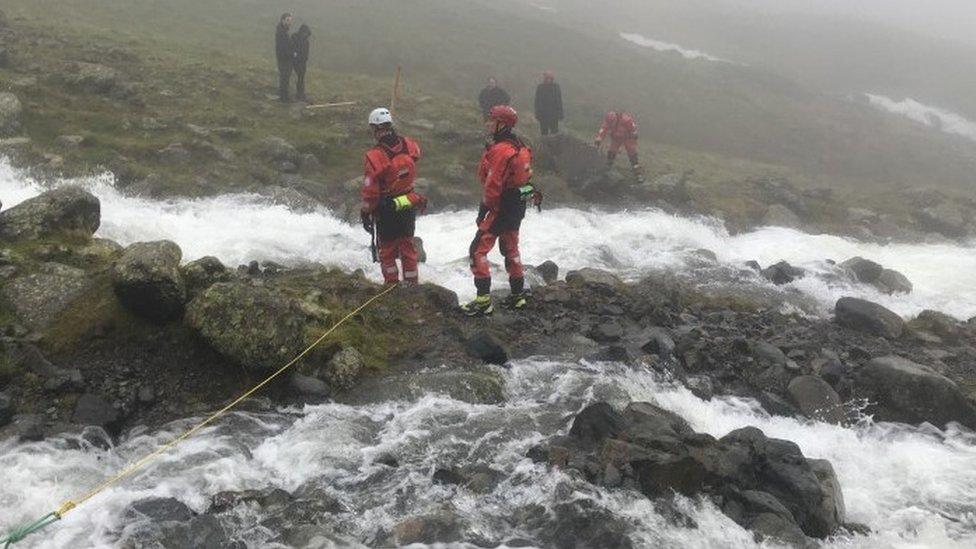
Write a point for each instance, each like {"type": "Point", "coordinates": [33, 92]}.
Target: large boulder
{"type": "Point", "coordinates": [278, 150]}
{"type": "Point", "coordinates": [41, 297]}
{"type": "Point", "coordinates": [258, 328]}
{"type": "Point", "coordinates": [893, 282]}
{"type": "Point", "coordinates": [204, 273]}
{"type": "Point", "coordinates": [69, 210]}
{"type": "Point", "coordinates": [946, 218]}
{"type": "Point", "coordinates": [903, 391]}
{"type": "Point", "coordinates": [866, 316]}
{"type": "Point", "coordinates": [939, 324]}
{"type": "Point", "coordinates": [148, 281]}
{"type": "Point", "coordinates": [782, 273]}
{"type": "Point", "coordinates": [573, 159]}
{"type": "Point", "coordinates": [863, 270]}
{"type": "Point", "coordinates": [10, 111]}
{"type": "Point", "coordinates": [343, 368]}
{"type": "Point", "coordinates": [658, 453]}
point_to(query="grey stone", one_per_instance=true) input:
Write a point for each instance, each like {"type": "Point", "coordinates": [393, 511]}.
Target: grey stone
{"type": "Point", "coordinates": [92, 78]}
{"type": "Point", "coordinates": [782, 273]}
{"type": "Point", "coordinates": [912, 393]}
{"type": "Point", "coordinates": [279, 150]}
{"type": "Point", "coordinates": [309, 386]}
{"type": "Point", "coordinates": [93, 409]}
{"type": "Point", "coordinates": [893, 282]}
{"type": "Point", "coordinates": [485, 346]}
{"type": "Point", "coordinates": [148, 281]}
{"type": "Point", "coordinates": [39, 299]}
{"type": "Point", "coordinates": [865, 316]}
{"type": "Point", "coordinates": [549, 271]}
{"type": "Point", "coordinates": [70, 141]}
{"type": "Point", "coordinates": [68, 209]}
{"type": "Point", "coordinates": [864, 270]}
{"type": "Point", "coordinates": [202, 274]}
{"type": "Point", "coordinates": [344, 368]}
{"type": "Point", "coordinates": [816, 399]}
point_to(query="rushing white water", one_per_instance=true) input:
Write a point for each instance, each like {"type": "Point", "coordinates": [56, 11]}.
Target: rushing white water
{"type": "Point", "coordinates": [240, 228]}
{"type": "Point", "coordinates": [658, 45]}
{"type": "Point", "coordinates": [914, 488]}
{"type": "Point", "coordinates": [936, 117]}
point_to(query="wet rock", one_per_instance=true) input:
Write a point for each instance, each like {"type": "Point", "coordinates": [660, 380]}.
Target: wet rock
{"type": "Point", "coordinates": [762, 513]}
{"type": "Point", "coordinates": [911, 393]}
{"type": "Point", "coordinates": [66, 210]}
{"type": "Point", "coordinates": [267, 499]}
{"type": "Point", "coordinates": [865, 316]}
{"type": "Point", "coordinates": [308, 386]}
{"type": "Point", "coordinates": [202, 274]}
{"type": "Point", "coordinates": [816, 399]}
{"type": "Point", "coordinates": [440, 527]}
{"type": "Point", "coordinates": [589, 276]}
{"type": "Point", "coordinates": [606, 332]}
{"type": "Point", "coordinates": [782, 273]}
{"type": "Point", "coordinates": [95, 410]}
{"type": "Point", "coordinates": [159, 510]}
{"type": "Point", "coordinates": [455, 173]}
{"type": "Point", "coordinates": [148, 281]}
{"type": "Point", "coordinates": [479, 385]}
{"type": "Point", "coordinates": [344, 368]}
{"type": "Point", "coordinates": [864, 270]}
{"type": "Point", "coordinates": [832, 505]}
{"type": "Point", "coordinates": [779, 215]}
{"type": "Point", "coordinates": [258, 328]}
{"type": "Point", "coordinates": [940, 324]}
{"type": "Point", "coordinates": [549, 271]}
{"type": "Point", "coordinates": [6, 409]}
{"type": "Point", "coordinates": [10, 112]}
{"type": "Point", "coordinates": [893, 282]}
{"type": "Point", "coordinates": [657, 452]}
{"type": "Point", "coordinates": [486, 347]}
{"type": "Point", "coordinates": [658, 342]}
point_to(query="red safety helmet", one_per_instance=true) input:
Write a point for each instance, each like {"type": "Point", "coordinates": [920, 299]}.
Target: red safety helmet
{"type": "Point", "coordinates": [503, 115]}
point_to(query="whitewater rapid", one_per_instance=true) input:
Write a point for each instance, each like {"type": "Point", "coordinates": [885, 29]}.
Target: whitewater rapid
{"type": "Point", "coordinates": [658, 45]}
{"type": "Point", "coordinates": [913, 487]}
{"type": "Point", "coordinates": [240, 228]}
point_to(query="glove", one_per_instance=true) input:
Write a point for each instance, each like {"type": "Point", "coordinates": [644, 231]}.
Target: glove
{"type": "Point", "coordinates": [367, 221]}
{"type": "Point", "coordinates": [418, 201]}
{"type": "Point", "coordinates": [482, 212]}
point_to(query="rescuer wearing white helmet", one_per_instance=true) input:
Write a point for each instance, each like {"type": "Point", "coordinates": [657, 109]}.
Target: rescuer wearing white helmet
{"type": "Point", "coordinates": [390, 205]}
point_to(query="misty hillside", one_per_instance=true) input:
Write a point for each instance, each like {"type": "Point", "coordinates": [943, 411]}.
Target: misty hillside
{"type": "Point", "coordinates": [720, 108]}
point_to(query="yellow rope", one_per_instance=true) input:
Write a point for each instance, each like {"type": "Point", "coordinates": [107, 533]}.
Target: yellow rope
{"type": "Point", "coordinates": [69, 505]}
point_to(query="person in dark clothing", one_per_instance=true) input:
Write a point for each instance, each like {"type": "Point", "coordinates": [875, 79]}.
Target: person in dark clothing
{"type": "Point", "coordinates": [284, 54]}
{"type": "Point", "coordinates": [299, 46]}
{"type": "Point", "coordinates": [492, 96]}
{"type": "Point", "coordinates": [548, 104]}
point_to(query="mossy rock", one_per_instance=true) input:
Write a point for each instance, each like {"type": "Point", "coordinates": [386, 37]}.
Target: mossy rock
{"type": "Point", "coordinates": [256, 327]}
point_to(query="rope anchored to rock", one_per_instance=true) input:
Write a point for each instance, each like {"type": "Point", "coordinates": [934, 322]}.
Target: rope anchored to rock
{"type": "Point", "coordinates": [19, 533]}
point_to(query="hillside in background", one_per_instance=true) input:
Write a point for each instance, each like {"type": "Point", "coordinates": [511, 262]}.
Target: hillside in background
{"type": "Point", "coordinates": [688, 109]}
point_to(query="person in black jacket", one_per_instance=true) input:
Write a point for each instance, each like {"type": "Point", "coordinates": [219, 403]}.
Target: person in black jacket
{"type": "Point", "coordinates": [299, 46]}
{"type": "Point", "coordinates": [492, 96]}
{"type": "Point", "coordinates": [284, 54]}
{"type": "Point", "coordinates": [548, 104]}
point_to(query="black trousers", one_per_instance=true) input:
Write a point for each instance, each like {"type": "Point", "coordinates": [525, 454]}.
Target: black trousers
{"type": "Point", "coordinates": [300, 80]}
{"type": "Point", "coordinates": [549, 126]}
{"type": "Point", "coordinates": [284, 78]}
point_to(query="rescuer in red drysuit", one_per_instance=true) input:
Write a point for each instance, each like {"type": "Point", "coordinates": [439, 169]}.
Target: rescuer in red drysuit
{"type": "Point", "coordinates": [622, 129]}
{"type": "Point", "coordinates": [506, 175]}
{"type": "Point", "coordinates": [390, 205]}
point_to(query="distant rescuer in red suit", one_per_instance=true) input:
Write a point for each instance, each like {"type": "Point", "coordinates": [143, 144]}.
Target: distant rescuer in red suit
{"type": "Point", "coordinates": [622, 129]}
{"type": "Point", "coordinates": [390, 205]}
{"type": "Point", "coordinates": [506, 175]}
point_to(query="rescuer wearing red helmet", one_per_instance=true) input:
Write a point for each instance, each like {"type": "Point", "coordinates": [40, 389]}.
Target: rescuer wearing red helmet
{"type": "Point", "coordinates": [506, 174]}
{"type": "Point", "coordinates": [622, 128]}
{"type": "Point", "coordinates": [390, 205]}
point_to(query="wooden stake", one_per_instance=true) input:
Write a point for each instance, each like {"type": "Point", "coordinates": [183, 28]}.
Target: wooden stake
{"type": "Point", "coordinates": [330, 105]}
{"type": "Point", "coordinates": [396, 91]}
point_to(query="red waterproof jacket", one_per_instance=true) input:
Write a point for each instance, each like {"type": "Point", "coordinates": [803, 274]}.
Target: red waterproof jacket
{"type": "Point", "coordinates": [505, 165]}
{"type": "Point", "coordinates": [390, 171]}
{"type": "Point", "coordinates": [620, 126]}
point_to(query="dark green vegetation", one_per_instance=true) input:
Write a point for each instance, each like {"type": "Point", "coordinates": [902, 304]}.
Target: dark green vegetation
{"type": "Point", "coordinates": [209, 64]}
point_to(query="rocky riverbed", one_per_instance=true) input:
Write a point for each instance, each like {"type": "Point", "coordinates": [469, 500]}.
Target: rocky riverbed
{"type": "Point", "coordinates": [124, 338]}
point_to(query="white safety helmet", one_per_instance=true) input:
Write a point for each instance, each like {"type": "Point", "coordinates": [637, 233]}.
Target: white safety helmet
{"type": "Point", "coordinates": [380, 116]}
